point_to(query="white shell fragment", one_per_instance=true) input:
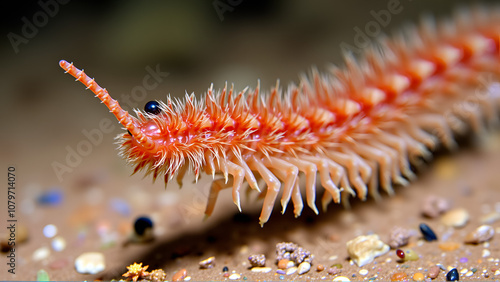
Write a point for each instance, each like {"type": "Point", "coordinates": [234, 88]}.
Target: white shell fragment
{"type": "Point", "coordinates": [261, 269]}
{"type": "Point", "coordinates": [304, 267]}
{"type": "Point", "coordinates": [363, 249]}
{"type": "Point", "coordinates": [482, 234]}
{"type": "Point", "coordinates": [90, 263]}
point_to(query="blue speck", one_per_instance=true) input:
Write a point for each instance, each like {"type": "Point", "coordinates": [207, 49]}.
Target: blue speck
{"type": "Point", "coordinates": [282, 277]}
{"type": "Point", "coordinates": [120, 206]}
{"type": "Point", "coordinates": [51, 197]}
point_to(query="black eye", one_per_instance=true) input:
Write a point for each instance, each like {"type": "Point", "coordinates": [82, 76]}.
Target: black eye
{"type": "Point", "coordinates": [152, 107]}
{"type": "Point", "coordinates": [141, 224]}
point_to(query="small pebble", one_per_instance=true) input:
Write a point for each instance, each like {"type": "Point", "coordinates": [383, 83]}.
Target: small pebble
{"type": "Point", "coordinates": [58, 264]}
{"type": "Point", "coordinates": [399, 276]}
{"type": "Point", "coordinates": [433, 272]}
{"type": "Point", "coordinates": [490, 218]}
{"type": "Point", "coordinates": [263, 269]}
{"type": "Point", "coordinates": [485, 253]}
{"type": "Point", "coordinates": [320, 268]}
{"type": "Point", "coordinates": [364, 249]}
{"type": "Point", "coordinates": [469, 273]}
{"type": "Point", "coordinates": [50, 230]}
{"type": "Point", "coordinates": [257, 260]}
{"type": "Point", "coordinates": [363, 272]}
{"type": "Point", "coordinates": [234, 276]}
{"type": "Point", "coordinates": [4, 245]}
{"type": "Point", "coordinates": [337, 265]}
{"type": "Point", "coordinates": [226, 274]}
{"type": "Point", "coordinates": [418, 276]}
{"type": "Point", "coordinates": [58, 244]}
{"type": "Point", "coordinates": [497, 272]}
{"type": "Point", "coordinates": [120, 206]}
{"type": "Point", "coordinates": [22, 234]}
{"type": "Point", "coordinates": [52, 197]}
{"type": "Point", "coordinates": [304, 267]}
{"type": "Point", "coordinates": [481, 234]}
{"type": "Point", "coordinates": [180, 275]}
{"type": "Point", "coordinates": [452, 275]}
{"type": "Point", "coordinates": [207, 263]}
{"type": "Point", "coordinates": [90, 263]}
{"type": "Point", "coordinates": [41, 253]}
{"type": "Point", "coordinates": [187, 278]}
{"type": "Point", "coordinates": [455, 218]}
{"type": "Point", "coordinates": [464, 270]}
{"type": "Point", "coordinates": [42, 275]}
{"type": "Point", "coordinates": [448, 246]}
{"type": "Point", "coordinates": [280, 271]}
{"type": "Point", "coordinates": [433, 206]}
{"type": "Point", "coordinates": [225, 269]}
{"type": "Point", "coordinates": [410, 255]}
{"type": "Point", "coordinates": [334, 270]}
{"type": "Point", "coordinates": [341, 278]}
{"type": "Point", "coordinates": [291, 270]}
{"type": "Point", "coordinates": [283, 263]}
{"type": "Point", "coordinates": [427, 232]}
{"type": "Point", "coordinates": [399, 237]}
{"type": "Point", "coordinates": [463, 260]}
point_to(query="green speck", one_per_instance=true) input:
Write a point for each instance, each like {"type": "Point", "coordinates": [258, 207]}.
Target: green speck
{"type": "Point", "coordinates": [337, 265]}
{"type": "Point", "coordinates": [42, 275]}
{"type": "Point", "coordinates": [245, 278]}
{"type": "Point", "coordinates": [405, 266]}
{"type": "Point", "coordinates": [473, 270]}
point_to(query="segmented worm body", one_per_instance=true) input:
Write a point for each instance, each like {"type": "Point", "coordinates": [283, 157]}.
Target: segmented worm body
{"type": "Point", "coordinates": [357, 128]}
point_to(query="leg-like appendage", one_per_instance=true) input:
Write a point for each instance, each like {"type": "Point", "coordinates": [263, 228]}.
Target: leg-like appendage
{"type": "Point", "coordinates": [298, 205]}
{"type": "Point", "coordinates": [308, 168]}
{"type": "Point", "coordinates": [273, 187]}
{"type": "Point", "coordinates": [238, 175]}
{"type": "Point", "coordinates": [353, 169]}
{"type": "Point", "coordinates": [287, 173]}
{"type": "Point", "coordinates": [328, 170]}
{"type": "Point", "coordinates": [217, 186]}
{"type": "Point", "coordinates": [400, 145]}
{"type": "Point", "coordinates": [384, 161]}
{"type": "Point", "coordinates": [437, 125]}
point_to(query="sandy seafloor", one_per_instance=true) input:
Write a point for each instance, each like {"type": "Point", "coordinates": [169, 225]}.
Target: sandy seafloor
{"type": "Point", "coordinates": [44, 113]}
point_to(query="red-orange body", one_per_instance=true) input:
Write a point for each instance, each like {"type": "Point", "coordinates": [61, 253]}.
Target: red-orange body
{"type": "Point", "coordinates": [358, 126]}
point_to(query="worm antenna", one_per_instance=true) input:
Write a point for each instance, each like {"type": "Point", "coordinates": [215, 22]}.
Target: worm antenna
{"type": "Point", "coordinates": [123, 116]}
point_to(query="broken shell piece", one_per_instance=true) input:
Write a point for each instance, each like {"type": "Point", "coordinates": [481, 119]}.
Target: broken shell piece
{"type": "Point", "coordinates": [207, 263]}
{"type": "Point", "coordinates": [363, 249]}
{"type": "Point", "coordinates": [482, 234]}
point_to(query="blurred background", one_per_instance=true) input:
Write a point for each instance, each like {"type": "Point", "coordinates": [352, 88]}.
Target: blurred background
{"type": "Point", "coordinates": [44, 112]}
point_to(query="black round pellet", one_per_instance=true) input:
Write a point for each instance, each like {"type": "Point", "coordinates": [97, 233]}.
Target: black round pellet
{"type": "Point", "coordinates": [427, 232]}
{"type": "Point", "coordinates": [225, 269]}
{"type": "Point", "coordinates": [142, 224]}
{"type": "Point", "coordinates": [452, 275]}
{"type": "Point", "coordinates": [152, 107]}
